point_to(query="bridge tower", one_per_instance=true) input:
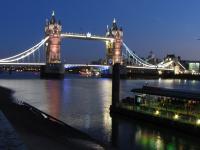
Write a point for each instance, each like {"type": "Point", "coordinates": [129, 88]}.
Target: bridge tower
{"type": "Point", "coordinates": [53, 30]}
{"type": "Point", "coordinates": [113, 48]}
{"type": "Point", "coordinates": [53, 68]}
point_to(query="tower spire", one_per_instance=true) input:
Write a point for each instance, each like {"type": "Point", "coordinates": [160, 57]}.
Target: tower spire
{"type": "Point", "coordinates": [53, 13]}
{"type": "Point", "coordinates": [114, 25]}
{"type": "Point", "coordinates": [107, 28]}
{"type": "Point", "coordinates": [114, 20]}
{"type": "Point", "coordinates": [53, 18]}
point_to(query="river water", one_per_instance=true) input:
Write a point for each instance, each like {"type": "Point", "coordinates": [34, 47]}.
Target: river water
{"type": "Point", "coordinates": [84, 104]}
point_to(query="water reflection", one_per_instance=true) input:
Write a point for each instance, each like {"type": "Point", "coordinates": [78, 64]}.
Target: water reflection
{"type": "Point", "coordinates": [84, 104]}
{"type": "Point", "coordinates": [128, 134]}
{"type": "Point", "coordinates": [54, 97]}
{"type": "Point", "coordinates": [106, 87]}
{"type": "Point", "coordinates": [148, 140]}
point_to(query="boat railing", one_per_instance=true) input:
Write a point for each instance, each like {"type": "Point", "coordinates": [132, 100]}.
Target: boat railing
{"type": "Point", "coordinates": [172, 114]}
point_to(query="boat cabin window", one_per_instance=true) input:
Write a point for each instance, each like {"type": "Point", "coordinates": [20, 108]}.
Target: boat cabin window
{"type": "Point", "coordinates": [139, 99]}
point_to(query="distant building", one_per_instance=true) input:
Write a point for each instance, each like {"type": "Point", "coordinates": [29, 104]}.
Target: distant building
{"type": "Point", "coordinates": [170, 57]}
{"type": "Point", "coordinates": [152, 58]}
{"type": "Point", "coordinates": [174, 63]}
{"type": "Point", "coordinates": [191, 65]}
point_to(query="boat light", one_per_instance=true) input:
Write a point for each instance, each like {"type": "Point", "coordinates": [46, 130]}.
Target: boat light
{"type": "Point", "coordinates": [157, 112]}
{"type": "Point", "coordinates": [176, 116]}
{"type": "Point", "coordinates": [198, 122]}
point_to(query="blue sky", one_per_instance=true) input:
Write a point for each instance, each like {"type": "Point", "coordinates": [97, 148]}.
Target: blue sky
{"type": "Point", "coordinates": [161, 26]}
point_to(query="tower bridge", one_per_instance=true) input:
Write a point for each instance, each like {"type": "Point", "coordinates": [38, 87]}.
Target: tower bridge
{"type": "Point", "coordinates": [116, 51]}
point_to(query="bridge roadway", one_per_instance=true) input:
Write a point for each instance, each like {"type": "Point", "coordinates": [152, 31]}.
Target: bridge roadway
{"type": "Point", "coordinates": [104, 67]}
{"type": "Point", "coordinates": [22, 64]}
{"type": "Point", "coordinates": [87, 36]}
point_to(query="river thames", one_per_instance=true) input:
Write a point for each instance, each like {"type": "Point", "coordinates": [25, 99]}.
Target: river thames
{"type": "Point", "coordinates": [84, 104]}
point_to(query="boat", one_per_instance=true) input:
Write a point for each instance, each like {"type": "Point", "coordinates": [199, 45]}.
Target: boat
{"type": "Point", "coordinates": [89, 73]}
{"type": "Point", "coordinates": [85, 72]}
{"type": "Point", "coordinates": [176, 108]}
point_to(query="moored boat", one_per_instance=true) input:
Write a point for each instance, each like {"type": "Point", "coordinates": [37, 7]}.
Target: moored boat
{"type": "Point", "coordinates": [170, 107]}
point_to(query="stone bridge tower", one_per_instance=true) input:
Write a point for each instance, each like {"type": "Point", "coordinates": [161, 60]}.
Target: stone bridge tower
{"type": "Point", "coordinates": [53, 30]}
{"type": "Point", "coordinates": [53, 68]}
{"type": "Point", "coordinates": [113, 48]}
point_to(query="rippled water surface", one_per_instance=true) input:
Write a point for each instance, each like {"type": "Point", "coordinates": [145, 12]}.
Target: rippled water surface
{"type": "Point", "coordinates": [84, 104]}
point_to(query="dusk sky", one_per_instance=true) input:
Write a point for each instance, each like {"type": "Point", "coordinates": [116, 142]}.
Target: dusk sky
{"type": "Point", "coordinates": [161, 26]}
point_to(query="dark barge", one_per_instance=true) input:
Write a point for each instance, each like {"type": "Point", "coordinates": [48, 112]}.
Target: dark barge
{"type": "Point", "coordinates": [172, 108]}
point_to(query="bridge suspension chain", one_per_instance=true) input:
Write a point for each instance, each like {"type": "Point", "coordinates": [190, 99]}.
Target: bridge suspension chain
{"type": "Point", "coordinates": [137, 58]}
{"type": "Point", "coordinates": [24, 54]}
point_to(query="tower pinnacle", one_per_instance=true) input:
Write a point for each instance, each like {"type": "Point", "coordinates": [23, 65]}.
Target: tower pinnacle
{"type": "Point", "coordinates": [114, 20]}
{"type": "Point", "coordinates": [53, 13]}
{"type": "Point", "coordinates": [53, 18]}
{"type": "Point", "coordinates": [107, 28]}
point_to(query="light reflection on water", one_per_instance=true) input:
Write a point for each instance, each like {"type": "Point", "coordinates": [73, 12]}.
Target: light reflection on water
{"type": "Point", "coordinates": [84, 104]}
{"type": "Point", "coordinates": [142, 135]}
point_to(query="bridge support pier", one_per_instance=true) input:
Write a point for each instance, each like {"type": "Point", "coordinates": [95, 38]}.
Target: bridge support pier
{"type": "Point", "coordinates": [53, 68]}
{"type": "Point", "coordinates": [52, 71]}
{"type": "Point", "coordinates": [116, 85]}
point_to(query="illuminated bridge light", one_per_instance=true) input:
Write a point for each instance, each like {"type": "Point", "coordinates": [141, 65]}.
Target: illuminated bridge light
{"type": "Point", "coordinates": [102, 67]}
{"type": "Point", "coordinates": [105, 67]}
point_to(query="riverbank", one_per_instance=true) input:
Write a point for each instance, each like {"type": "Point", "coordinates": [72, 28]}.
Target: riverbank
{"type": "Point", "coordinates": [9, 139]}
{"type": "Point", "coordinates": [41, 131]}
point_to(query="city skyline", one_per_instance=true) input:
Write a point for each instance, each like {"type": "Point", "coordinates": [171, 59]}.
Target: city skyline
{"type": "Point", "coordinates": [161, 27]}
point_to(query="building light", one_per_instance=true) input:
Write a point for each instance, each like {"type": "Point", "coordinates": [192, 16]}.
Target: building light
{"type": "Point", "coordinates": [157, 112]}
{"type": "Point", "coordinates": [198, 122]}
{"type": "Point", "coordinates": [176, 116]}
